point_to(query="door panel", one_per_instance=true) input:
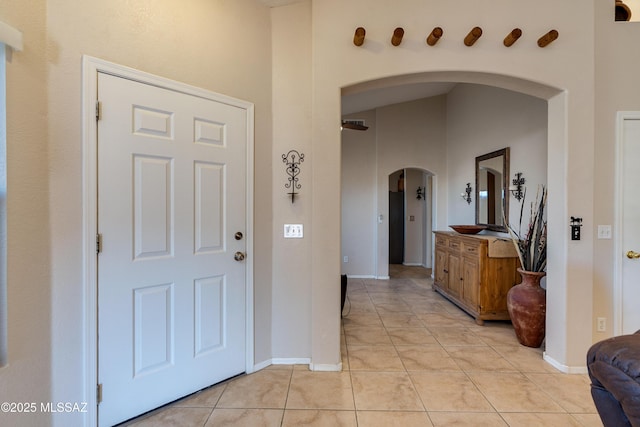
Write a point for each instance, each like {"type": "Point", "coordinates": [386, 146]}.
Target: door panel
{"type": "Point", "coordinates": [630, 226]}
{"type": "Point", "coordinates": [171, 195]}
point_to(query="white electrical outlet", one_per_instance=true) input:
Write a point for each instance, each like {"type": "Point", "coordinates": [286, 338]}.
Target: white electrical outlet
{"type": "Point", "coordinates": [345, 259]}
{"type": "Point", "coordinates": [601, 324]}
{"type": "Point", "coordinates": [293, 231]}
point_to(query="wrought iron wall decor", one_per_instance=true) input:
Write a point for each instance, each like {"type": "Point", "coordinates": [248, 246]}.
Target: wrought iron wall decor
{"type": "Point", "coordinates": [466, 196]}
{"type": "Point", "coordinates": [517, 185]}
{"type": "Point", "coordinates": [420, 193]}
{"type": "Point", "coordinates": [292, 161]}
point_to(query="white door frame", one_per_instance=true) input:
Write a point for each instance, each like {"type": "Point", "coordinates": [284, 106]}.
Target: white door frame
{"type": "Point", "coordinates": [618, 250]}
{"type": "Point", "coordinates": [90, 68]}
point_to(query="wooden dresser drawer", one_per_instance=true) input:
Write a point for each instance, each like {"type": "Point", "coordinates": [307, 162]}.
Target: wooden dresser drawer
{"type": "Point", "coordinates": [473, 249]}
{"type": "Point", "coordinates": [440, 240]}
{"type": "Point", "coordinates": [455, 244]}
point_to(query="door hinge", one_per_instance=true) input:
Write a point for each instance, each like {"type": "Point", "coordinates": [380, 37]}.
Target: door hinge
{"type": "Point", "coordinates": [99, 393]}
{"type": "Point", "coordinates": [98, 110]}
{"type": "Point", "coordinates": [98, 243]}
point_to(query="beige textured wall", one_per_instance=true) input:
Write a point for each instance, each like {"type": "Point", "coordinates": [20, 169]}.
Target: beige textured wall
{"type": "Point", "coordinates": [28, 377]}
{"type": "Point", "coordinates": [617, 89]}
{"type": "Point", "coordinates": [220, 45]}
{"type": "Point", "coordinates": [292, 131]}
{"type": "Point", "coordinates": [565, 68]}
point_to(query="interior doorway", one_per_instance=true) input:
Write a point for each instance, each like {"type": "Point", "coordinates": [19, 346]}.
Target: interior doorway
{"type": "Point", "coordinates": [410, 222]}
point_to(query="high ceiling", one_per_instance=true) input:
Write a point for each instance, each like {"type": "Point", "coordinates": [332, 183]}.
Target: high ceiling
{"type": "Point", "coordinates": [374, 98]}
{"type": "Point", "coordinates": [380, 97]}
{"type": "Point", "coordinates": [275, 3]}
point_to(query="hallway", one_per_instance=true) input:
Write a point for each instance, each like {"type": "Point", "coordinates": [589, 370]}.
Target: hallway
{"type": "Point", "coordinates": [410, 358]}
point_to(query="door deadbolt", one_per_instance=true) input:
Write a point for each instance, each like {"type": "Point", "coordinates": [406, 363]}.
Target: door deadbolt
{"type": "Point", "coordinates": [238, 235]}
{"type": "Point", "coordinates": [239, 256]}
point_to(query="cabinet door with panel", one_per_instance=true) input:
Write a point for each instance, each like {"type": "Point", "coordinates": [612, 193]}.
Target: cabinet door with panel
{"type": "Point", "coordinates": [442, 263]}
{"type": "Point", "coordinates": [454, 286]}
{"type": "Point", "coordinates": [471, 282]}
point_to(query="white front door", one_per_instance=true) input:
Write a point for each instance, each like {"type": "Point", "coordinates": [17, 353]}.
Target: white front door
{"type": "Point", "coordinates": [630, 228]}
{"type": "Point", "coordinates": [171, 205]}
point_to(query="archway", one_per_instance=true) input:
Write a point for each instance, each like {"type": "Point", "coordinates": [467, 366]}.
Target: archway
{"type": "Point", "coordinates": [557, 141]}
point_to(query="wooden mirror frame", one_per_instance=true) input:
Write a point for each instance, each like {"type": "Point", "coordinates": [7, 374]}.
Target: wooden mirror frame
{"type": "Point", "coordinates": [505, 188]}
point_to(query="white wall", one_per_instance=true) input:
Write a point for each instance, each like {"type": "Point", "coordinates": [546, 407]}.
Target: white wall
{"type": "Point", "coordinates": [414, 232]}
{"type": "Point", "coordinates": [478, 119]}
{"type": "Point", "coordinates": [407, 135]}
{"type": "Point", "coordinates": [482, 119]}
{"type": "Point", "coordinates": [359, 228]}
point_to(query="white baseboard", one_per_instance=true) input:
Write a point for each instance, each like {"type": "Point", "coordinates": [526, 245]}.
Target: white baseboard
{"type": "Point", "coordinates": [564, 368]}
{"type": "Point", "coordinates": [383, 277]}
{"type": "Point", "coordinates": [360, 276]}
{"type": "Point", "coordinates": [291, 361]}
{"type": "Point", "coordinates": [261, 365]}
{"type": "Point", "coordinates": [413, 264]}
{"type": "Point", "coordinates": [320, 367]}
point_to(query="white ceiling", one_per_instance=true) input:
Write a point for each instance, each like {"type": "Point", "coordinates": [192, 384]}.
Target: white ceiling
{"type": "Point", "coordinates": [374, 98]}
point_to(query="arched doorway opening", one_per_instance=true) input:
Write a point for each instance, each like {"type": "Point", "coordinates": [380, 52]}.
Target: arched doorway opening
{"type": "Point", "coordinates": [446, 190]}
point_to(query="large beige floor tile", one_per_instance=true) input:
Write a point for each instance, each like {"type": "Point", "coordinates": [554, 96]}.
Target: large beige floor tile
{"type": "Point", "coordinates": [356, 320]}
{"type": "Point", "coordinates": [320, 390]}
{"type": "Point", "coordinates": [311, 418]}
{"type": "Point", "coordinates": [455, 336]}
{"type": "Point", "coordinates": [263, 389]}
{"type": "Point", "coordinates": [441, 319]}
{"type": "Point", "coordinates": [525, 359]}
{"type": "Point", "coordinates": [426, 358]}
{"type": "Point", "coordinates": [401, 320]}
{"type": "Point", "coordinates": [207, 398]}
{"type": "Point", "coordinates": [374, 358]}
{"type": "Point", "coordinates": [572, 392]}
{"type": "Point", "coordinates": [385, 391]}
{"type": "Point", "coordinates": [392, 308]}
{"type": "Point", "coordinates": [245, 418]}
{"type": "Point", "coordinates": [494, 333]}
{"type": "Point", "coordinates": [393, 419]}
{"type": "Point", "coordinates": [174, 417]}
{"type": "Point", "coordinates": [466, 419]}
{"type": "Point", "coordinates": [367, 335]}
{"type": "Point", "coordinates": [509, 392]}
{"type": "Point", "coordinates": [479, 358]}
{"type": "Point", "coordinates": [540, 420]}
{"type": "Point", "coordinates": [588, 420]}
{"type": "Point", "coordinates": [449, 391]}
{"type": "Point", "coordinates": [411, 336]}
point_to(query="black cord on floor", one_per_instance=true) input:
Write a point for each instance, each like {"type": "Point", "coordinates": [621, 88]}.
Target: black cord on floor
{"type": "Point", "coordinates": [348, 311]}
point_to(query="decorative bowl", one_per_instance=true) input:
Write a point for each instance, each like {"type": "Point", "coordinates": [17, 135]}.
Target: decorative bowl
{"type": "Point", "coordinates": [468, 229]}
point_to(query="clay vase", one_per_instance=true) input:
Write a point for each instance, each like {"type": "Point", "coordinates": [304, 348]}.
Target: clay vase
{"type": "Point", "coordinates": [527, 305]}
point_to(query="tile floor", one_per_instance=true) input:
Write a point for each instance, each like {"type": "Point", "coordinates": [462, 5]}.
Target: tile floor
{"type": "Point", "coordinates": [410, 358]}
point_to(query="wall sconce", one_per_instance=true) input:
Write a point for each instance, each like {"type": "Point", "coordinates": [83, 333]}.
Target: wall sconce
{"type": "Point", "coordinates": [466, 196]}
{"type": "Point", "coordinates": [292, 161]}
{"type": "Point", "coordinates": [516, 187]}
{"type": "Point", "coordinates": [420, 193]}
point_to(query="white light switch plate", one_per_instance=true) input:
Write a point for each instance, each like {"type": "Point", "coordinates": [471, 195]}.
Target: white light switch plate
{"type": "Point", "coordinates": [604, 232]}
{"type": "Point", "coordinates": [293, 231]}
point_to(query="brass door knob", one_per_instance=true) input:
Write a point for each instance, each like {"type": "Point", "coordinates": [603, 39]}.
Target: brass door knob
{"type": "Point", "coordinates": [239, 256]}
{"type": "Point", "coordinates": [633, 255]}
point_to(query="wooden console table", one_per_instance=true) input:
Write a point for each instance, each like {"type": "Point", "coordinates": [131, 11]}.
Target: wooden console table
{"type": "Point", "coordinates": [475, 272]}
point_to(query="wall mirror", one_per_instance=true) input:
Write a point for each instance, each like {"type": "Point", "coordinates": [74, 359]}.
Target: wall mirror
{"type": "Point", "coordinates": [492, 189]}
